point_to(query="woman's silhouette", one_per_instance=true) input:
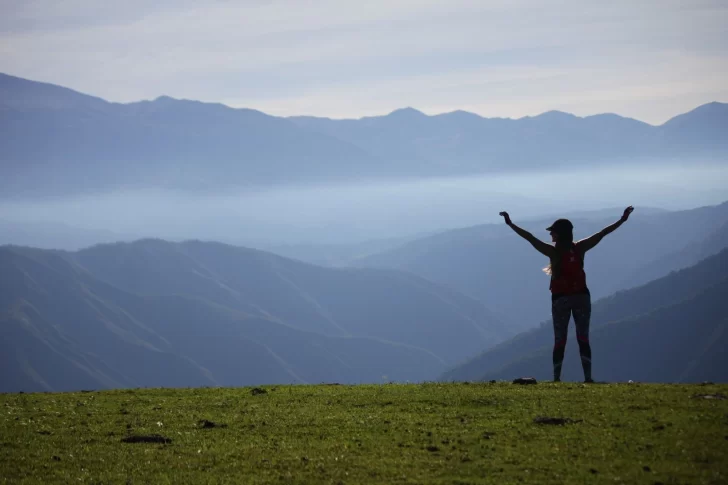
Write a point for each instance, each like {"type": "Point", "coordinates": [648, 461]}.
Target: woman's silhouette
{"type": "Point", "coordinates": [569, 292]}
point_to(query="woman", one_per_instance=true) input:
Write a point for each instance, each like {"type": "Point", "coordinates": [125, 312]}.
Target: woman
{"type": "Point", "coordinates": [569, 292]}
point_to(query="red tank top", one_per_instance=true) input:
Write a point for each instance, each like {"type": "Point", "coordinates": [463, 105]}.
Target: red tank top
{"type": "Point", "coordinates": [571, 278]}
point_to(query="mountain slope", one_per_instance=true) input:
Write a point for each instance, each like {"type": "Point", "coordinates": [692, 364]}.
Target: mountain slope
{"type": "Point", "coordinates": [696, 289]}
{"type": "Point", "coordinates": [153, 313]}
{"type": "Point", "coordinates": [59, 141]}
{"type": "Point", "coordinates": [475, 144]}
{"type": "Point", "coordinates": [380, 304]}
{"type": "Point", "coordinates": [70, 141]}
{"type": "Point", "coordinates": [494, 265]}
{"type": "Point", "coordinates": [682, 258]}
{"type": "Point", "coordinates": [683, 342]}
{"type": "Point", "coordinates": [703, 128]}
{"type": "Point", "coordinates": [62, 329]}
{"type": "Point", "coordinates": [56, 325]}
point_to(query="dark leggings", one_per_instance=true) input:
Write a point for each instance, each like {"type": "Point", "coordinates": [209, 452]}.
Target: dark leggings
{"type": "Point", "coordinates": [562, 309]}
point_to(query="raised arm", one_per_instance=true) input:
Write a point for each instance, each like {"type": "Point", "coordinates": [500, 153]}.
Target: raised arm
{"type": "Point", "coordinates": [587, 243]}
{"type": "Point", "coordinates": [542, 247]}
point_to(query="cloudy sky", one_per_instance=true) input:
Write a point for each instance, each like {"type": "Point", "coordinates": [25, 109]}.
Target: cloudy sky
{"type": "Point", "coordinates": [647, 59]}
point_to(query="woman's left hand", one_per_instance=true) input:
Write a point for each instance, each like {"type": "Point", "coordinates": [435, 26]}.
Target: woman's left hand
{"type": "Point", "coordinates": [626, 213]}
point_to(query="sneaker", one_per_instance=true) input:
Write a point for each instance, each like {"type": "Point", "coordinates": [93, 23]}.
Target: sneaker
{"type": "Point", "coordinates": [589, 381]}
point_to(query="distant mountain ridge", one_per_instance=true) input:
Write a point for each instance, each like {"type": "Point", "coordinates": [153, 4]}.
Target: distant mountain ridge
{"type": "Point", "coordinates": [58, 141]}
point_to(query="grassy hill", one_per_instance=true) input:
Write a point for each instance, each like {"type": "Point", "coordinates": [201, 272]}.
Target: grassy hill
{"type": "Point", "coordinates": [426, 433]}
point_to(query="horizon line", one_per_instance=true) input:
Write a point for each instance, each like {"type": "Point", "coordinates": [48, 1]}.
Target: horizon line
{"type": "Point", "coordinates": [405, 109]}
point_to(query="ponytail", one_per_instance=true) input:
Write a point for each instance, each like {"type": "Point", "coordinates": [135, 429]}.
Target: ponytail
{"type": "Point", "coordinates": [564, 244]}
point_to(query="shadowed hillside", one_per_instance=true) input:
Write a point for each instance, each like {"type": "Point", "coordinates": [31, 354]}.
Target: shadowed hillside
{"type": "Point", "coordinates": [673, 329]}
{"type": "Point", "coordinates": [492, 263]}
{"type": "Point", "coordinates": [686, 256]}
{"type": "Point", "coordinates": [383, 304]}
{"type": "Point", "coordinates": [684, 342]}
{"type": "Point", "coordinates": [154, 313]}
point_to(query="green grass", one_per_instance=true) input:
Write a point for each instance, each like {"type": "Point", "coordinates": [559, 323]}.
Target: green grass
{"type": "Point", "coordinates": [391, 433]}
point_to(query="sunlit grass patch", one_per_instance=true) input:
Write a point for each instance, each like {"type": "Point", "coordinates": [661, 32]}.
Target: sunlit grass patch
{"type": "Point", "coordinates": [391, 433]}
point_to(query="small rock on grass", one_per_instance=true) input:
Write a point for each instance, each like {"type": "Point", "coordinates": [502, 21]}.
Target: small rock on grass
{"type": "Point", "coordinates": [151, 438]}
{"type": "Point", "coordinates": [555, 421]}
{"type": "Point", "coordinates": [525, 380]}
{"type": "Point", "coordinates": [204, 423]}
{"type": "Point", "coordinates": [257, 390]}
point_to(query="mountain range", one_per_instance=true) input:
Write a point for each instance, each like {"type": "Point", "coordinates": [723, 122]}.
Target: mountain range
{"type": "Point", "coordinates": [156, 313]}
{"type": "Point", "coordinates": [58, 141]}
{"type": "Point", "coordinates": [159, 313]}
{"type": "Point", "coordinates": [493, 264]}
{"type": "Point", "coordinates": [153, 313]}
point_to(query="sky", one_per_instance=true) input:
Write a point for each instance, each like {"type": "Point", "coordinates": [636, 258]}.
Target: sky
{"type": "Point", "coordinates": [647, 59]}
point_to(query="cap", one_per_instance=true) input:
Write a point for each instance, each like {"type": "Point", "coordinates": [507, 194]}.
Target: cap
{"type": "Point", "coordinates": [561, 225]}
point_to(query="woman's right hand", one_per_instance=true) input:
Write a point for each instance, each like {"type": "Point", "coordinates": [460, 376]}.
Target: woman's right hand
{"type": "Point", "coordinates": [506, 217]}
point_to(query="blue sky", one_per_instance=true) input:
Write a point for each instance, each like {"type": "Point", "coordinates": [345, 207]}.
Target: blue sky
{"type": "Point", "coordinates": [649, 59]}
